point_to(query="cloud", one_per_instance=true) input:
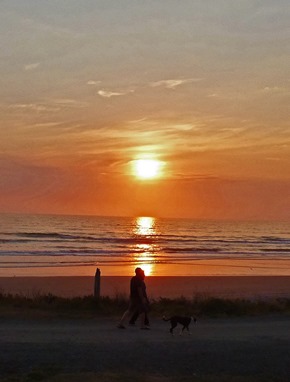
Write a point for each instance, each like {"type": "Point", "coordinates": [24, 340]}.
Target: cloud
{"type": "Point", "coordinates": [32, 66]}
{"type": "Point", "coordinates": [31, 106]}
{"type": "Point", "coordinates": [68, 102]}
{"type": "Point", "coordinates": [49, 106]}
{"type": "Point", "coordinates": [172, 84]}
{"type": "Point", "coordinates": [93, 82]}
{"type": "Point", "coordinates": [108, 94]}
{"type": "Point", "coordinates": [275, 89]}
{"type": "Point", "coordinates": [163, 126]}
{"type": "Point", "coordinates": [46, 124]}
{"type": "Point", "coordinates": [184, 126]}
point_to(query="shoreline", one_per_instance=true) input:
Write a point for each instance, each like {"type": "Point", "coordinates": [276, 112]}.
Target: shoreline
{"type": "Point", "coordinates": [249, 287]}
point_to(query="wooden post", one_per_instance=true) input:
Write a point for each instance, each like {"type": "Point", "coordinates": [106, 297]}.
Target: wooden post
{"type": "Point", "coordinates": [97, 290]}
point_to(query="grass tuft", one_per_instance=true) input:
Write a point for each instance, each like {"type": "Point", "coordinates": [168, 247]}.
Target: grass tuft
{"type": "Point", "coordinates": [87, 306]}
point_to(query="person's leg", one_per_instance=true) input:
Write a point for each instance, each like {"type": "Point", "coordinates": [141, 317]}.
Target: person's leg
{"type": "Point", "coordinates": [133, 319]}
{"type": "Point", "coordinates": [146, 320]}
{"type": "Point", "coordinates": [142, 320]}
{"type": "Point", "coordinates": [123, 319]}
{"type": "Point", "coordinates": [133, 307]}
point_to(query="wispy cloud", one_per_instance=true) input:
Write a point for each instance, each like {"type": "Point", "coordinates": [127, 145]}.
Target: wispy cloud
{"type": "Point", "coordinates": [68, 102]}
{"type": "Point", "coordinates": [163, 126]}
{"type": "Point", "coordinates": [31, 107]}
{"type": "Point", "coordinates": [49, 106]}
{"type": "Point", "coordinates": [173, 83]}
{"type": "Point", "coordinates": [30, 67]}
{"type": "Point", "coordinates": [93, 82]}
{"type": "Point", "coordinates": [46, 124]}
{"type": "Point", "coordinates": [276, 90]}
{"type": "Point", "coordinates": [109, 94]}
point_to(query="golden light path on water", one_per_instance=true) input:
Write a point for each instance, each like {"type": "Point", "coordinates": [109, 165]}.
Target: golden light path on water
{"type": "Point", "coordinates": [144, 227]}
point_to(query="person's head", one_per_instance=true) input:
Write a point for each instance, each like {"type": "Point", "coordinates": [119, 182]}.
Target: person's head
{"type": "Point", "coordinates": [139, 272]}
{"type": "Point", "coordinates": [143, 275]}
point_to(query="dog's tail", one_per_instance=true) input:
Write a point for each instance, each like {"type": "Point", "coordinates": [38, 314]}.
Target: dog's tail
{"type": "Point", "coordinates": [165, 319]}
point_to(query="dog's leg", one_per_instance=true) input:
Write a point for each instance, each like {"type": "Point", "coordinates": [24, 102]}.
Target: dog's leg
{"type": "Point", "coordinates": [181, 331]}
{"type": "Point", "coordinates": [173, 325]}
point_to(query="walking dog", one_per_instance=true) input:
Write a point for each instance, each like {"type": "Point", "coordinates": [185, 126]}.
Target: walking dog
{"type": "Point", "coordinates": [185, 321]}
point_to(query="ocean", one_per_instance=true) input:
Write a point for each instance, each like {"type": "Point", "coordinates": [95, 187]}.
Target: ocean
{"type": "Point", "coordinates": [69, 245]}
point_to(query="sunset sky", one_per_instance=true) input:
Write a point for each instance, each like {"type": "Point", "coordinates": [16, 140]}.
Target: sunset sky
{"type": "Point", "coordinates": [88, 87]}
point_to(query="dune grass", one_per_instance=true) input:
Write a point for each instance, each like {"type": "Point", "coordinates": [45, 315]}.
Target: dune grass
{"type": "Point", "coordinates": [88, 306]}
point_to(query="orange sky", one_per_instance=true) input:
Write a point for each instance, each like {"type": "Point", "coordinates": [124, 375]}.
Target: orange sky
{"type": "Point", "coordinates": [89, 87]}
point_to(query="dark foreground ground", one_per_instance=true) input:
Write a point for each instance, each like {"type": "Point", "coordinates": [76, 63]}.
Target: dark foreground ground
{"type": "Point", "coordinates": [235, 349]}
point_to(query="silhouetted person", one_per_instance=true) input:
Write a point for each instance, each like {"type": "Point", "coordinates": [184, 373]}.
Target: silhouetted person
{"type": "Point", "coordinates": [138, 299]}
{"type": "Point", "coordinates": [136, 314]}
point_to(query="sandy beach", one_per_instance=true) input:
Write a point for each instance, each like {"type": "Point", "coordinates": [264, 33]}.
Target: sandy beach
{"type": "Point", "coordinates": [93, 349]}
{"type": "Point", "coordinates": [163, 286]}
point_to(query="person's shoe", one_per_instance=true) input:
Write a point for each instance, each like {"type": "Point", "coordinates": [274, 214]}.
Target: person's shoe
{"type": "Point", "coordinates": [145, 328]}
{"type": "Point", "coordinates": [120, 326]}
{"type": "Point", "coordinates": [132, 323]}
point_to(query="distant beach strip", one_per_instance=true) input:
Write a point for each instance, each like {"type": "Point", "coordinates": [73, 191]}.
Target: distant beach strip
{"type": "Point", "coordinates": [232, 287]}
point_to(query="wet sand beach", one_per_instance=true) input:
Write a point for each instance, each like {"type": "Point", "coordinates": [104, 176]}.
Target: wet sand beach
{"type": "Point", "coordinates": [163, 286]}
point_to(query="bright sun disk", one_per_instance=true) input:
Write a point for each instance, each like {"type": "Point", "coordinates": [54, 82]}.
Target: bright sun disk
{"type": "Point", "coordinates": [147, 168]}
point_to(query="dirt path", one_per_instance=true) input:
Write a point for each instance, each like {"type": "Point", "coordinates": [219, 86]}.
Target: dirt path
{"type": "Point", "coordinates": [257, 347]}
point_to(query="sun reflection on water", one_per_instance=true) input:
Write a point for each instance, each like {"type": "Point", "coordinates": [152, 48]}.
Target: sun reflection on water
{"type": "Point", "coordinates": [144, 225]}
{"type": "Point", "coordinates": [144, 229]}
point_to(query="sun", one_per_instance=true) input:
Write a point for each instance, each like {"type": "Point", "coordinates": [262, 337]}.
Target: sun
{"type": "Point", "coordinates": [147, 168]}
